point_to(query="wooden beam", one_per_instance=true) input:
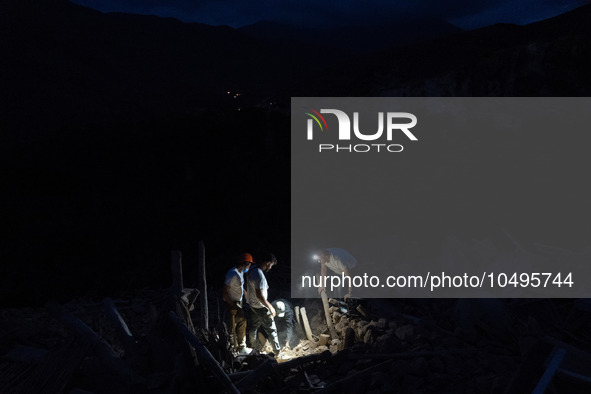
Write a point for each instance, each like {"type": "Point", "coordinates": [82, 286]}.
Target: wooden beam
{"type": "Point", "coordinates": [297, 313]}
{"type": "Point", "coordinates": [205, 357]}
{"type": "Point", "coordinates": [122, 332]}
{"type": "Point", "coordinates": [553, 366]}
{"type": "Point", "coordinates": [333, 333]}
{"type": "Point", "coordinates": [176, 267]}
{"type": "Point", "coordinates": [100, 347]}
{"type": "Point", "coordinates": [306, 325]}
{"type": "Point", "coordinates": [528, 373]}
{"type": "Point", "coordinates": [202, 287]}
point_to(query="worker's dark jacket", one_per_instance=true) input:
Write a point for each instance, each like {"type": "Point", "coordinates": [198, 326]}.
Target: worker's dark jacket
{"type": "Point", "coordinates": [286, 324]}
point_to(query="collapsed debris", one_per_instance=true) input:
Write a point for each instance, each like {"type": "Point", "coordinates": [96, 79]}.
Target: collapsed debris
{"type": "Point", "coordinates": [148, 343]}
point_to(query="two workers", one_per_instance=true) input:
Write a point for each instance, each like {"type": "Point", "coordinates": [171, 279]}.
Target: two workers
{"type": "Point", "coordinates": [262, 312]}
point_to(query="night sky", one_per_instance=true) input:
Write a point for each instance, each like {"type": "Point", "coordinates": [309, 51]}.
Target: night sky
{"type": "Point", "coordinates": [124, 137]}
{"type": "Point", "coordinates": [466, 14]}
{"type": "Point", "coordinates": [121, 142]}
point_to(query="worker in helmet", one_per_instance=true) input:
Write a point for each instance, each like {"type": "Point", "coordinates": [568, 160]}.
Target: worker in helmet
{"type": "Point", "coordinates": [286, 323]}
{"type": "Point", "coordinates": [338, 261]}
{"type": "Point", "coordinates": [233, 297]}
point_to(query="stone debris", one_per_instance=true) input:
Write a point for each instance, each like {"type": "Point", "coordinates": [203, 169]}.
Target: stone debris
{"type": "Point", "coordinates": [423, 347]}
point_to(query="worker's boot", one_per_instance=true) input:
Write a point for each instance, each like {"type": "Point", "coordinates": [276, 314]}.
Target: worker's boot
{"type": "Point", "coordinates": [243, 349]}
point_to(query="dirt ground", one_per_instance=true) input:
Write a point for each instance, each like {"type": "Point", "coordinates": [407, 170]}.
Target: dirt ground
{"type": "Point", "coordinates": [479, 346]}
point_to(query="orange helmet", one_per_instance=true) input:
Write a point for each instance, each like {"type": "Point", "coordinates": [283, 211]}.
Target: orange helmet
{"type": "Point", "coordinates": [245, 258]}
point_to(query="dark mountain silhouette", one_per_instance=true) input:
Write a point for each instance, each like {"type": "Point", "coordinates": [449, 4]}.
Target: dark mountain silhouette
{"type": "Point", "coordinates": [119, 139]}
{"type": "Point", "coordinates": [72, 65]}
{"type": "Point", "coordinates": [357, 39]}
{"type": "Point", "coordinates": [548, 58]}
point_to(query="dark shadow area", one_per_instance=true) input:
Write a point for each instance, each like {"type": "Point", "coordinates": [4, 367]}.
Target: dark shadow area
{"type": "Point", "coordinates": [123, 137]}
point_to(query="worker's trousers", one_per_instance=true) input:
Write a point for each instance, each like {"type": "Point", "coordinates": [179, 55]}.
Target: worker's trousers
{"type": "Point", "coordinates": [261, 318]}
{"type": "Point", "coordinates": [236, 322]}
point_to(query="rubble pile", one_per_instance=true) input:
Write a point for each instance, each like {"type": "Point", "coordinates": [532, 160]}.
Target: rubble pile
{"type": "Point", "coordinates": [416, 346]}
{"type": "Point", "coordinates": [443, 346]}
{"type": "Point", "coordinates": [146, 342]}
